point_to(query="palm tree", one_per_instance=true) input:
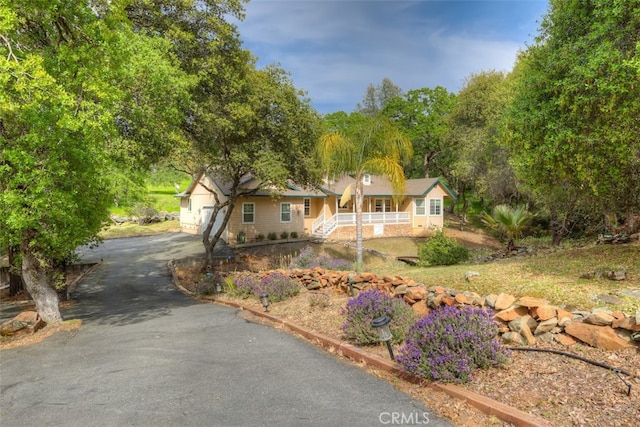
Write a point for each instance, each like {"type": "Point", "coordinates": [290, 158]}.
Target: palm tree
{"type": "Point", "coordinates": [509, 221]}
{"type": "Point", "coordinates": [371, 145]}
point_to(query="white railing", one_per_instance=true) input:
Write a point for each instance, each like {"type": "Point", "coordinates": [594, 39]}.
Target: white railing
{"type": "Point", "coordinates": [317, 224]}
{"type": "Point", "coordinates": [375, 218]}
{"type": "Point", "coordinates": [324, 228]}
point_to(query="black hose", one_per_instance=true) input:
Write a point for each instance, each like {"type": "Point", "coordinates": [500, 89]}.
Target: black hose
{"type": "Point", "coordinates": [584, 359]}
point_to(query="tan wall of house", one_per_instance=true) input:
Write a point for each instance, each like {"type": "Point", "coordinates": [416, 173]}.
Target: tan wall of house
{"type": "Point", "coordinates": [190, 220]}
{"type": "Point", "coordinates": [267, 218]}
{"type": "Point", "coordinates": [316, 206]}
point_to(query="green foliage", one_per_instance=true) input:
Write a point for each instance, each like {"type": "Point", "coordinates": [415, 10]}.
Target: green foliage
{"type": "Point", "coordinates": [509, 221]}
{"type": "Point", "coordinates": [572, 126]}
{"type": "Point", "coordinates": [260, 237]}
{"type": "Point", "coordinates": [272, 236]}
{"type": "Point", "coordinates": [360, 145]}
{"type": "Point", "coordinates": [361, 310]}
{"type": "Point", "coordinates": [284, 235]}
{"type": "Point", "coordinates": [294, 234]}
{"type": "Point", "coordinates": [422, 115]}
{"type": "Point", "coordinates": [441, 250]}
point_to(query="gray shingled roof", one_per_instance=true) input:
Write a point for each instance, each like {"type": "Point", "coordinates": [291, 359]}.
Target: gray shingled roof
{"type": "Point", "coordinates": [380, 186]}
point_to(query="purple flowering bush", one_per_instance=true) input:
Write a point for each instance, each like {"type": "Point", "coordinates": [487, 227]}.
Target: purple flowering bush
{"type": "Point", "coordinates": [244, 285]}
{"type": "Point", "coordinates": [449, 343]}
{"type": "Point", "coordinates": [278, 286]}
{"type": "Point", "coordinates": [307, 258]}
{"type": "Point", "coordinates": [368, 305]}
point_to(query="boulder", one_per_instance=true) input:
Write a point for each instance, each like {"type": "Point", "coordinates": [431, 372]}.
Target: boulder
{"type": "Point", "coordinates": [512, 313]}
{"type": "Point", "coordinates": [420, 308]}
{"type": "Point", "coordinates": [629, 323]}
{"type": "Point", "coordinates": [504, 301]}
{"type": "Point", "coordinates": [545, 312]}
{"type": "Point", "coordinates": [513, 338]}
{"type": "Point", "coordinates": [490, 300]}
{"type": "Point", "coordinates": [599, 318]}
{"type": "Point", "coordinates": [565, 339]}
{"type": "Point", "coordinates": [532, 302]}
{"type": "Point", "coordinates": [545, 326]}
{"type": "Point", "coordinates": [597, 336]}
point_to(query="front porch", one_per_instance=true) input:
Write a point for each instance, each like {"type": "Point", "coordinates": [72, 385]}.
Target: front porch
{"type": "Point", "coordinates": [323, 227]}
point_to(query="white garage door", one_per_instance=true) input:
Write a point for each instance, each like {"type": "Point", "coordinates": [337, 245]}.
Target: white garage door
{"type": "Point", "coordinates": [207, 211]}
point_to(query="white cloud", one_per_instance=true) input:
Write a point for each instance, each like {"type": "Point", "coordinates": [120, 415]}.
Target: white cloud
{"type": "Point", "coordinates": [335, 49]}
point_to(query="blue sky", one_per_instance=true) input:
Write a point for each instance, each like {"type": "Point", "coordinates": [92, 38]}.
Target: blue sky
{"type": "Point", "coordinates": [334, 49]}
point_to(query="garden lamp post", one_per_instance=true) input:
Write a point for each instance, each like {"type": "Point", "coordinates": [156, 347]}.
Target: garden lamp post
{"type": "Point", "coordinates": [265, 301]}
{"type": "Point", "coordinates": [381, 324]}
{"type": "Point", "coordinates": [218, 288]}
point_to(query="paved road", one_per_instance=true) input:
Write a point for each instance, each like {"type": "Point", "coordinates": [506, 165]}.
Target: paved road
{"type": "Point", "coordinates": [147, 355]}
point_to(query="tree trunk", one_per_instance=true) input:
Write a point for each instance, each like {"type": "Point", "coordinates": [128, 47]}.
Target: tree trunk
{"type": "Point", "coordinates": [37, 283]}
{"type": "Point", "coordinates": [359, 202]}
{"type": "Point", "coordinates": [15, 280]}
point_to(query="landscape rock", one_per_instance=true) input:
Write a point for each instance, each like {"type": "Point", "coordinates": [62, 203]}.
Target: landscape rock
{"type": "Point", "coordinates": [512, 313]}
{"type": "Point", "coordinates": [504, 301]}
{"type": "Point", "coordinates": [609, 299]}
{"type": "Point", "coordinates": [599, 318]}
{"type": "Point", "coordinates": [532, 302]}
{"type": "Point", "coordinates": [27, 321]}
{"type": "Point", "coordinates": [629, 323]}
{"type": "Point", "coordinates": [421, 308]}
{"type": "Point", "coordinates": [544, 312]}
{"type": "Point", "coordinates": [545, 326]}
{"type": "Point", "coordinates": [513, 338]}
{"type": "Point", "coordinates": [470, 275]}
{"type": "Point", "coordinates": [490, 300]}
{"type": "Point", "coordinates": [597, 336]}
{"type": "Point", "coordinates": [564, 339]}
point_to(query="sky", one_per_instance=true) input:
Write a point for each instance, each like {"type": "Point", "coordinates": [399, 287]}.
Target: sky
{"type": "Point", "coordinates": [335, 49]}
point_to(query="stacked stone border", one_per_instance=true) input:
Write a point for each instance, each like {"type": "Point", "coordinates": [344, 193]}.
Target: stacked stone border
{"type": "Point", "coordinates": [523, 321]}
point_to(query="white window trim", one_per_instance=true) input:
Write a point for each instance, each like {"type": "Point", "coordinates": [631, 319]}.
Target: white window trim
{"type": "Point", "coordinates": [366, 179]}
{"type": "Point", "coordinates": [415, 207]}
{"type": "Point", "coordinates": [254, 212]}
{"type": "Point", "coordinates": [439, 204]}
{"type": "Point", "coordinates": [306, 206]}
{"type": "Point", "coordinates": [189, 208]}
{"type": "Point", "coordinates": [290, 213]}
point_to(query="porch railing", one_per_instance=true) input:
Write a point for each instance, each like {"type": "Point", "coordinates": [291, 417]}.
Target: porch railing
{"type": "Point", "coordinates": [325, 227]}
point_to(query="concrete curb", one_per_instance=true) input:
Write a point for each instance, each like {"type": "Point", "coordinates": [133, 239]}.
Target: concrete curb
{"type": "Point", "coordinates": [485, 404]}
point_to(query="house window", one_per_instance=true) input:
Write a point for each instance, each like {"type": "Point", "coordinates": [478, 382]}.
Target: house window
{"type": "Point", "coordinates": [366, 179]}
{"type": "Point", "coordinates": [307, 207]}
{"type": "Point", "coordinates": [189, 205]}
{"type": "Point", "coordinates": [383, 205]}
{"type": "Point", "coordinates": [435, 206]}
{"type": "Point", "coordinates": [421, 207]}
{"type": "Point", "coordinates": [285, 212]}
{"type": "Point", "coordinates": [248, 213]}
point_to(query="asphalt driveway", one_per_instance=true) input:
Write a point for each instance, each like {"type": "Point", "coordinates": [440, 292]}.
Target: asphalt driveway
{"type": "Point", "coordinates": [147, 355]}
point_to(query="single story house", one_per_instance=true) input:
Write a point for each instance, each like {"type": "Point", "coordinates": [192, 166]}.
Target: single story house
{"type": "Point", "coordinates": [317, 212]}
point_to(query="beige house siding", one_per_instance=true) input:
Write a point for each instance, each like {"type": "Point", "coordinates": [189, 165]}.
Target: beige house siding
{"type": "Point", "coordinates": [266, 218]}
{"type": "Point", "coordinates": [316, 205]}
{"type": "Point", "coordinates": [191, 216]}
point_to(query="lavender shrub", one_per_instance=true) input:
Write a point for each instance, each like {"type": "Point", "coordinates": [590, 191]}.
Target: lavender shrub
{"type": "Point", "coordinates": [244, 286]}
{"type": "Point", "coordinates": [368, 305]}
{"type": "Point", "coordinates": [449, 343]}
{"type": "Point", "coordinates": [278, 286]}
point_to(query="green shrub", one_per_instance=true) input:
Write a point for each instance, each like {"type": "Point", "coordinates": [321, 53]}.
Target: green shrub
{"type": "Point", "coordinates": [450, 342]}
{"type": "Point", "coordinates": [368, 305]}
{"type": "Point", "coordinates": [272, 236]}
{"type": "Point", "coordinates": [441, 250]}
{"type": "Point", "coordinates": [294, 234]}
{"type": "Point", "coordinates": [260, 237]}
{"type": "Point", "coordinates": [284, 235]}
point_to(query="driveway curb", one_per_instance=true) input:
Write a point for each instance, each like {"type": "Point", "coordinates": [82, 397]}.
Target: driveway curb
{"type": "Point", "coordinates": [485, 404]}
